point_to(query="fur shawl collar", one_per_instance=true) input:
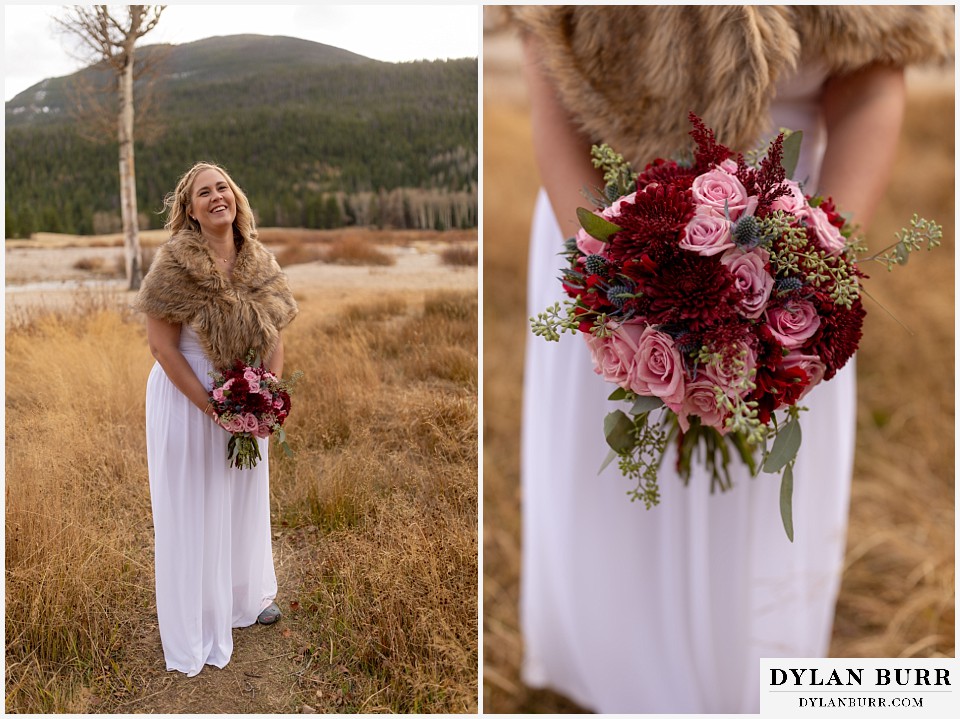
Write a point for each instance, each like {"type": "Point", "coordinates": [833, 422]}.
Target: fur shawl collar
{"type": "Point", "coordinates": [230, 316]}
{"type": "Point", "coordinates": [630, 75]}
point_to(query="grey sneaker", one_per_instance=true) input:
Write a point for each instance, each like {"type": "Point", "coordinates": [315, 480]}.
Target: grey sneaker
{"type": "Point", "coordinates": [270, 615]}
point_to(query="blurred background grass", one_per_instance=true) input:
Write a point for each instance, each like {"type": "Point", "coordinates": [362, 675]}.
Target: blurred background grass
{"type": "Point", "coordinates": [897, 595]}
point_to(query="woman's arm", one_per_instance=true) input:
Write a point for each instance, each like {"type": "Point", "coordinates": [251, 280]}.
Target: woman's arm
{"type": "Point", "coordinates": [562, 152]}
{"type": "Point", "coordinates": [164, 341]}
{"type": "Point", "coordinates": [864, 113]}
{"type": "Point", "coordinates": [275, 362]}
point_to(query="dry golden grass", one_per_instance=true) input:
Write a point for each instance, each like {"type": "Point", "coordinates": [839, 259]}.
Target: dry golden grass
{"type": "Point", "coordinates": [897, 596]}
{"type": "Point", "coordinates": [380, 500]}
{"type": "Point", "coordinates": [353, 250]}
{"type": "Point", "coordinates": [459, 256]}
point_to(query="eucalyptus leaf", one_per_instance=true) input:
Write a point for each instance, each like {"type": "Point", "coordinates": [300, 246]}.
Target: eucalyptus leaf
{"type": "Point", "coordinates": [791, 152]}
{"type": "Point", "coordinates": [785, 447]}
{"type": "Point", "coordinates": [646, 404]}
{"type": "Point", "coordinates": [618, 394]}
{"type": "Point", "coordinates": [786, 500]}
{"type": "Point", "coordinates": [596, 226]}
{"type": "Point", "coordinates": [903, 253]}
{"type": "Point", "coordinates": [618, 429]}
{"type": "Point", "coordinates": [286, 449]}
{"type": "Point", "coordinates": [612, 455]}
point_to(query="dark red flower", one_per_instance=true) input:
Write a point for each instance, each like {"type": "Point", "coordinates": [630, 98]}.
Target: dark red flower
{"type": "Point", "coordinates": [838, 336]}
{"type": "Point", "coordinates": [709, 152]}
{"type": "Point", "coordinates": [691, 290]}
{"type": "Point", "coordinates": [778, 387]}
{"type": "Point", "coordinates": [666, 172]}
{"type": "Point", "coordinates": [652, 225]}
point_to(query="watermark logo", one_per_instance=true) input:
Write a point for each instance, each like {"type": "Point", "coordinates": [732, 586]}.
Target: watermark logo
{"type": "Point", "coordinates": [859, 688]}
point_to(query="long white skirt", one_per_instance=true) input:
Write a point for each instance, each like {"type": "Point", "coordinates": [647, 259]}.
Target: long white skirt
{"type": "Point", "coordinates": [669, 610]}
{"type": "Point", "coordinates": [214, 562]}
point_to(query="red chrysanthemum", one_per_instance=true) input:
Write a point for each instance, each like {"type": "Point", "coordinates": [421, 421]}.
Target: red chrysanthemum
{"type": "Point", "coordinates": [666, 172]}
{"type": "Point", "coordinates": [838, 336]}
{"type": "Point", "coordinates": [652, 225]}
{"type": "Point", "coordinates": [691, 290]}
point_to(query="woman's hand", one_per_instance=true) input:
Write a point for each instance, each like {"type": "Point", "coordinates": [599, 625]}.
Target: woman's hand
{"type": "Point", "coordinates": [164, 340]}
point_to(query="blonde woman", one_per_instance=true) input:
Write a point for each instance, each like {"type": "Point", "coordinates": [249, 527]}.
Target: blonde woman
{"type": "Point", "coordinates": [213, 293]}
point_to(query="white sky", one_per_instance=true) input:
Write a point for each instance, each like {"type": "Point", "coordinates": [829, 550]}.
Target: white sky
{"type": "Point", "coordinates": [35, 51]}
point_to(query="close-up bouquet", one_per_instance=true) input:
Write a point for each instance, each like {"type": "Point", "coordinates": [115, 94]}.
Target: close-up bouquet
{"type": "Point", "coordinates": [715, 294]}
{"type": "Point", "coordinates": [251, 402]}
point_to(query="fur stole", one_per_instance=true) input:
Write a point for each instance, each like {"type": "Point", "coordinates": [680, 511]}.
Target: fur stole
{"type": "Point", "coordinates": [230, 316]}
{"type": "Point", "coordinates": [629, 75]}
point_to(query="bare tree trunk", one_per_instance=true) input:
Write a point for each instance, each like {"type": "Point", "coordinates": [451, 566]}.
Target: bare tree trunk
{"type": "Point", "coordinates": [128, 184]}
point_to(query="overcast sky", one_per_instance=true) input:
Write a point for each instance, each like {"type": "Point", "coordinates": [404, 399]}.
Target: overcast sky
{"type": "Point", "coordinates": [394, 33]}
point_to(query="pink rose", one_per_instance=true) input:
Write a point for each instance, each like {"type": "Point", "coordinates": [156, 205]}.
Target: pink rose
{"type": "Point", "coordinates": [707, 235]}
{"type": "Point", "coordinates": [701, 401]}
{"type": "Point", "coordinates": [658, 368]}
{"type": "Point", "coordinates": [232, 423]}
{"type": "Point", "coordinates": [717, 189]}
{"type": "Point", "coordinates": [793, 323]}
{"type": "Point", "coordinates": [728, 374]}
{"type": "Point", "coordinates": [614, 355]}
{"type": "Point", "coordinates": [262, 431]}
{"type": "Point", "coordinates": [826, 235]}
{"type": "Point", "coordinates": [217, 394]}
{"type": "Point", "coordinates": [749, 270]}
{"type": "Point", "coordinates": [792, 203]}
{"type": "Point", "coordinates": [277, 403]}
{"type": "Point", "coordinates": [250, 422]}
{"type": "Point", "coordinates": [227, 385]}
{"type": "Point", "coordinates": [811, 364]}
{"type": "Point", "coordinates": [729, 166]}
{"type": "Point", "coordinates": [251, 375]}
{"type": "Point", "coordinates": [591, 245]}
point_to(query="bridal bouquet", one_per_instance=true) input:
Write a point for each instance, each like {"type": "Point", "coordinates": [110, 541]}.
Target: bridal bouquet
{"type": "Point", "coordinates": [251, 402]}
{"type": "Point", "coordinates": [714, 293]}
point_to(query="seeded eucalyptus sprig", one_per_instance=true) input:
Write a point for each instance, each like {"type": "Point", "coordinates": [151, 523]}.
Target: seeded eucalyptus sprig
{"type": "Point", "coordinates": [791, 255]}
{"type": "Point", "coordinates": [554, 321]}
{"type": "Point", "coordinates": [620, 179]}
{"type": "Point", "coordinates": [910, 240]}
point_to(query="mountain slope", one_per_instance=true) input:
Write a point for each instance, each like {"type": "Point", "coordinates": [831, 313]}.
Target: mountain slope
{"type": "Point", "coordinates": [317, 136]}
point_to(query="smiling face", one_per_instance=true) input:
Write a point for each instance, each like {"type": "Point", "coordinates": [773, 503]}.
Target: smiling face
{"type": "Point", "coordinates": [212, 202]}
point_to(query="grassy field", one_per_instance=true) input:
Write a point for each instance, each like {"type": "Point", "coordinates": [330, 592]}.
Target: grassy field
{"type": "Point", "coordinates": [897, 597]}
{"type": "Point", "coordinates": [374, 519]}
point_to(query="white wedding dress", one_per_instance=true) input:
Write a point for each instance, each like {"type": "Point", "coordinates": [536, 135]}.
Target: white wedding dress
{"type": "Point", "coordinates": [625, 610]}
{"type": "Point", "coordinates": [214, 562]}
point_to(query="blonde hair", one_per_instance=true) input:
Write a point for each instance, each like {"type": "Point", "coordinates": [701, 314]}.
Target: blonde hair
{"type": "Point", "coordinates": [177, 204]}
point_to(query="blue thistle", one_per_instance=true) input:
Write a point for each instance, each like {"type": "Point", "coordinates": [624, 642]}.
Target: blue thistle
{"type": "Point", "coordinates": [787, 284]}
{"type": "Point", "coordinates": [746, 232]}
{"type": "Point", "coordinates": [617, 295]}
{"type": "Point", "coordinates": [595, 264]}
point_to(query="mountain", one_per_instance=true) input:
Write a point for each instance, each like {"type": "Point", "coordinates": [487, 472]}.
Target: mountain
{"type": "Point", "coordinates": [316, 135]}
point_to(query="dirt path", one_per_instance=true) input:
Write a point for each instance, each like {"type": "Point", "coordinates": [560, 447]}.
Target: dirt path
{"type": "Point", "coordinates": [268, 673]}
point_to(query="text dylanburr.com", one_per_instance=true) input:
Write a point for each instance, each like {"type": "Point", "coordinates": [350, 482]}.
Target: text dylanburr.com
{"type": "Point", "coordinates": [859, 688]}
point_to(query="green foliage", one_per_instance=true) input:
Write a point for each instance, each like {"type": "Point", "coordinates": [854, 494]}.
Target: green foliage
{"type": "Point", "coordinates": [311, 143]}
{"type": "Point", "coordinates": [912, 239]}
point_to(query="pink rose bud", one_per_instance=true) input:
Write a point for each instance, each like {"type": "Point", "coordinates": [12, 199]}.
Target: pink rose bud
{"type": "Point", "coordinates": [825, 236]}
{"type": "Point", "coordinates": [658, 368]}
{"type": "Point", "coordinates": [707, 235]}
{"type": "Point", "coordinates": [793, 323]}
{"type": "Point", "coordinates": [749, 270]}
{"type": "Point", "coordinates": [717, 190]}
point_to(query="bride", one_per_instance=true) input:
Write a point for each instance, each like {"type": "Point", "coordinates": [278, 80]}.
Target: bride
{"type": "Point", "coordinates": [670, 610]}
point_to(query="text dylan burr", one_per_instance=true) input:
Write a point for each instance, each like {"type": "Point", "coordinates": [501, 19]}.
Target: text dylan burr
{"type": "Point", "coordinates": [854, 677]}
